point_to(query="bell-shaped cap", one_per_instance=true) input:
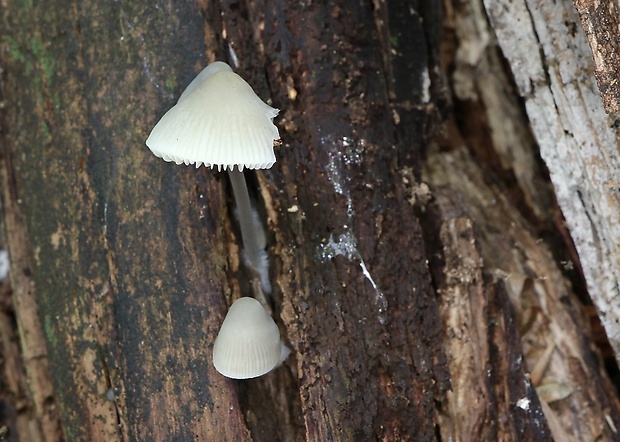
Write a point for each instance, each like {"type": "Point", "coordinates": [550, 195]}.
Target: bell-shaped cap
{"type": "Point", "coordinates": [218, 121]}
{"type": "Point", "coordinates": [248, 344]}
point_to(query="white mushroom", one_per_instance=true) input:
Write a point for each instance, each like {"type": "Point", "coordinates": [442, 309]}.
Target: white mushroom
{"type": "Point", "coordinates": [220, 122]}
{"type": "Point", "coordinates": [248, 344]}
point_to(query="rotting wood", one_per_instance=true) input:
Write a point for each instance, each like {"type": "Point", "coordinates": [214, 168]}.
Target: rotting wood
{"type": "Point", "coordinates": [29, 380]}
{"type": "Point", "coordinates": [139, 326]}
{"type": "Point", "coordinates": [129, 315]}
{"type": "Point", "coordinates": [139, 259]}
{"type": "Point", "coordinates": [551, 63]}
{"type": "Point", "coordinates": [493, 257]}
{"type": "Point", "coordinates": [356, 297]}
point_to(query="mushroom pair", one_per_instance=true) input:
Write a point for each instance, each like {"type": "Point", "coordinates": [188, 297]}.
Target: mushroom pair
{"type": "Point", "coordinates": [220, 122]}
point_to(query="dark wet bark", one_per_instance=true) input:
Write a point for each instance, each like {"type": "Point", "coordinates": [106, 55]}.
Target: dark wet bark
{"type": "Point", "coordinates": [131, 262]}
{"type": "Point", "coordinates": [600, 21]}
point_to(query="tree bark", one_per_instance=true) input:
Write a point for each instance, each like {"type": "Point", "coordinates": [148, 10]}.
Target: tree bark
{"type": "Point", "coordinates": [600, 20]}
{"type": "Point", "coordinates": [553, 71]}
{"type": "Point", "coordinates": [415, 245]}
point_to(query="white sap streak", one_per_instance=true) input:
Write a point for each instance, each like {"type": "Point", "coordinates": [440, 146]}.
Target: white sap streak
{"type": "Point", "coordinates": [347, 246]}
{"type": "Point", "coordinates": [367, 274]}
{"type": "Point", "coordinates": [380, 298]}
{"type": "Point", "coordinates": [335, 176]}
{"type": "Point", "coordinates": [344, 152]}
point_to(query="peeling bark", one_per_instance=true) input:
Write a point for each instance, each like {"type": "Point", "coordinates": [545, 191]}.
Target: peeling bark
{"type": "Point", "coordinates": [550, 60]}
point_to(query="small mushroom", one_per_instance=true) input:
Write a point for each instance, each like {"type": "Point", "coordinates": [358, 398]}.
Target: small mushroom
{"type": "Point", "coordinates": [220, 122]}
{"type": "Point", "coordinates": [248, 344]}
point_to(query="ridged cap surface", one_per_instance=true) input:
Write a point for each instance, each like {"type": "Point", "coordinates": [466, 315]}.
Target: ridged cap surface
{"type": "Point", "coordinates": [218, 121]}
{"type": "Point", "coordinates": [248, 344]}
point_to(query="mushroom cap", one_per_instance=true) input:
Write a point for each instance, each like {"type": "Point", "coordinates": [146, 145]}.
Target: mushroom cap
{"type": "Point", "coordinates": [248, 344]}
{"type": "Point", "coordinates": [213, 68]}
{"type": "Point", "coordinates": [218, 121]}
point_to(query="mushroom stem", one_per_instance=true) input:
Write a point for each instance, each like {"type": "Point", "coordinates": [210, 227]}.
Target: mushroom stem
{"type": "Point", "coordinates": [254, 254]}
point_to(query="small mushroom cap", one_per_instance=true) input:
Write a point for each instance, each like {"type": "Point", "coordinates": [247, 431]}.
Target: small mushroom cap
{"type": "Point", "coordinates": [248, 344]}
{"type": "Point", "coordinates": [218, 121]}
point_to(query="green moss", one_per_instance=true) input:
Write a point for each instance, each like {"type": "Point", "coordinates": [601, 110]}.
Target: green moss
{"type": "Point", "coordinates": [40, 55]}
{"type": "Point", "coordinates": [45, 130]}
{"type": "Point", "coordinates": [49, 331]}
{"type": "Point", "coordinates": [394, 41]}
{"type": "Point", "coordinates": [16, 54]}
{"type": "Point", "coordinates": [43, 57]}
{"type": "Point", "coordinates": [170, 85]}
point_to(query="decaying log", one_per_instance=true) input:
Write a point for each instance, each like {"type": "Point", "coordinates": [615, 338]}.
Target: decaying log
{"type": "Point", "coordinates": [137, 259]}
{"type": "Point", "coordinates": [121, 254]}
{"type": "Point", "coordinates": [499, 279]}
{"type": "Point", "coordinates": [30, 408]}
{"type": "Point", "coordinates": [551, 62]}
{"type": "Point", "coordinates": [415, 310]}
